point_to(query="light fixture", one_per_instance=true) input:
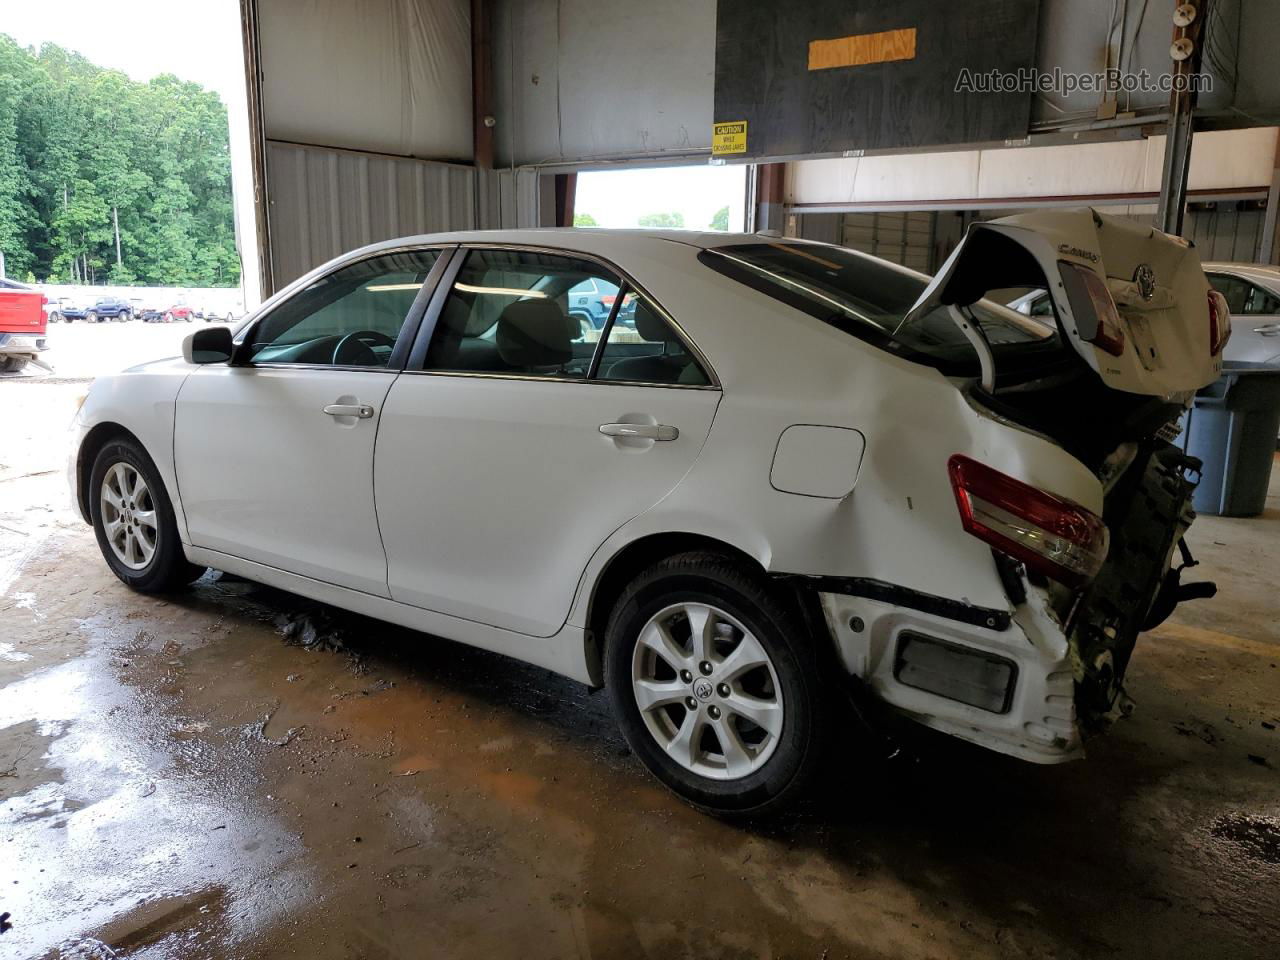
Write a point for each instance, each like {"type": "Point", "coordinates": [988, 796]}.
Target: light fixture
{"type": "Point", "coordinates": [386, 287]}
{"type": "Point", "coordinates": [1184, 14]}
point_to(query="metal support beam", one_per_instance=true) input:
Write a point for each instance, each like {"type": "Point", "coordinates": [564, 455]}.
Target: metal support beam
{"type": "Point", "coordinates": [770, 194]}
{"type": "Point", "coordinates": [1267, 252]}
{"type": "Point", "coordinates": [257, 145]}
{"type": "Point", "coordinates": [566, 192]}
{"type": "Point", "coordinates": [1182, 103]}
{"type": "Point", "coordinates": [481, 84]}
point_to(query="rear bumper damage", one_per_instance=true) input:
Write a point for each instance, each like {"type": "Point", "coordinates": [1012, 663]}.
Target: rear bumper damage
{"type": "Point", "coordinates": [1007, 687]}
{"type": "Point", "coordinates": [1033, 680]}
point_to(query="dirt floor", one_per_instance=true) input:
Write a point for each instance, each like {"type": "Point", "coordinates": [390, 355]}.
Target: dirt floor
{"type": "Point", "coordinates": [234, 772]}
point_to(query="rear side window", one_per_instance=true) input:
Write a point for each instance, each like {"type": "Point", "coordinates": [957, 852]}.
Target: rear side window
{"type": "Point", "coordinates": [523, 312]}
{"type": "Point", "coordinates": [869, 299]}
{"type": "Point", "coordinates": [642, 347]}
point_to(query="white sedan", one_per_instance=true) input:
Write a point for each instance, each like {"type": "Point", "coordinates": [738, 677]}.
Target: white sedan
{"type": "Point", "coordinates": [797, 469]}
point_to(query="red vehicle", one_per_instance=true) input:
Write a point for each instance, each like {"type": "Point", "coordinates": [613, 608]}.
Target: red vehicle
{"type": "Point", "coordinates": [22, 326]}
{"type": "Point", "coordinates": [179, 311]}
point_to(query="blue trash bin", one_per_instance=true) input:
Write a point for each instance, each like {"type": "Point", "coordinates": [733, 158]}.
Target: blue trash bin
{"type": "Point", "coordinates": [1232, 428]}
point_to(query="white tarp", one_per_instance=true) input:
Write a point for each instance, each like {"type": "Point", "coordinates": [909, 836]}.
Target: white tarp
{"type": "Point", "coordinates": [385, 76]}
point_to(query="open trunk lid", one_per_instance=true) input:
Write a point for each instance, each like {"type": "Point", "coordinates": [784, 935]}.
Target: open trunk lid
{"type": "Point", "coordinates": [1133, 302]}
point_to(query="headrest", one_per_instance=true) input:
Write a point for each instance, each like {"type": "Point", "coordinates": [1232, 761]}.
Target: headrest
{"type": "Point", "coordinates": [534, 333]}
{"type": "Point", "coordinates": [651, 326]}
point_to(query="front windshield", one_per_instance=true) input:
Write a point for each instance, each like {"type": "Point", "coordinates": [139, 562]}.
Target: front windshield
{"type": "Point", "coordinates": [870, 298]}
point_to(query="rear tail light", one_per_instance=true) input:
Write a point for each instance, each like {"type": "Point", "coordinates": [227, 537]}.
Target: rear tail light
{"type": "Point", "coordinates": [1219, 322]}
{"type": "Point", "coordinates": [1095, 311]}
{"type": "Point", "coordinates": [1060, 539]}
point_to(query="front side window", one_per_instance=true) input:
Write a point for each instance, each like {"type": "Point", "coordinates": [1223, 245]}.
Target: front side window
{"type": "Point", "coordinates": [523, 312]}
{"type": "Point", "coordinates": [351, 317]}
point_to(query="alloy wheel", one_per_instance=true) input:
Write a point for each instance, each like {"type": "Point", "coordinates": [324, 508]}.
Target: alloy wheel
{"type": "Point", "coordinates": [707, 691]}
{"type": "Point", "coordinates": [129, 515]}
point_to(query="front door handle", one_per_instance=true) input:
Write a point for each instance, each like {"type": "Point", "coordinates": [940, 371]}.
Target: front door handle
{"type": "Point", "coordinates": [640, 431]}
{"type": "Point", "coordinates": [361, 410]}
{"type": "Point", "coordinates": [1268, 329]}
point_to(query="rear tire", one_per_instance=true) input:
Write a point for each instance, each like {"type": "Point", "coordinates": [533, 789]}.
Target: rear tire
{"type": "Point", "coordinates": [134, 520]}
{"type": "Point", "coordinates": [12, 364]}
{"type": "Point", "coordinates": [756, 659]}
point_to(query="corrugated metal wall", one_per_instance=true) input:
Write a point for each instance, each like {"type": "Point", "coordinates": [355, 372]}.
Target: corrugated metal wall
{"type": "Point", "coordinates": [905, 238]}
{"type": "Point", "coordinates": [326, 202]}
{"type": "Point", "coordinates": [1226, 233]}
{"type": "Point", "coordinates": [922, 240]}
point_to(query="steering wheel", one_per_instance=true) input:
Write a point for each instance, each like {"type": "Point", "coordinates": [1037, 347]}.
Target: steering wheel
{"type": "Point", "coordinates": [356, 349]}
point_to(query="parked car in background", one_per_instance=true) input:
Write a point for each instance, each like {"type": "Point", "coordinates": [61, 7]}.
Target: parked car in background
{"type": "Point", "coordinates": [22, 326]}
{"type": "Point", "coordinates": [1252, 293]}
{"type": "Point", "coordinates": [109, 308]}
{"type": "Point", "coordinates": [1253, 296]}
{"type": "Point", "coordinates": [179, 311]}
{"type": "Point", "coordinates": [590, 302]}
{"type": "Point", "coordinates": [818, 474]}
{"type": "Point", "coordinates": [55, 310]}
{"type": "Point", "coordinates": [71, 311]}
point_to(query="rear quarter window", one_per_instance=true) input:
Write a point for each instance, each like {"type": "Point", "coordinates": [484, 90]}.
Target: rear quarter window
{"type": "Point", "coordinates": [869, 299]}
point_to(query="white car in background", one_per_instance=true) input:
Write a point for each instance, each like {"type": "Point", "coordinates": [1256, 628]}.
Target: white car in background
{"type": "Point", "coordinates": [802, 469]}
{"type": "Point", "coordinates": [1252, 292]}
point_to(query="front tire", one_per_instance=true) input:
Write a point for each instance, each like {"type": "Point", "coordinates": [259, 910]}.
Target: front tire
{"type": "Point", "coordinates": [715, 685]}
{"type": "Point", "coordinates": [93, 317]}
{"type": "Point", "coordinates": [134, 520]}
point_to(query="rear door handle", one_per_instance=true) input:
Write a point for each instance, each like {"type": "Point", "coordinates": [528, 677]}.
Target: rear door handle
{"type": "Point", "coordinates": [640, 431]}
{"type": "Point", "coordinates": [362, 411]}
{"type": "Point", "coordinates": [1268, 329]}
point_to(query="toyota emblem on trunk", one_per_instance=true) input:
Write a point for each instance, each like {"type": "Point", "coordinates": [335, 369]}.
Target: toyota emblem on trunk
{"type": "Point", "coordinates": [1145, 278]}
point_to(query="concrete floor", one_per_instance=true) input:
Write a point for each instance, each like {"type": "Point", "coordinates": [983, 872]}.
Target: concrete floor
{"type": "Point", "coordinates": [179, 779]}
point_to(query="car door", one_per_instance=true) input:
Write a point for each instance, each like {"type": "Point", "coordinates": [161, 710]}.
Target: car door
{"type": "Point", "coordinates": [274, 452]}
{"type": "Point", "coordinates": [508, 452]}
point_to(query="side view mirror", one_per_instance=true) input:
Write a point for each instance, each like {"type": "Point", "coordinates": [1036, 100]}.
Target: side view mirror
{"type": "Point", "coordinates": [210, 345]}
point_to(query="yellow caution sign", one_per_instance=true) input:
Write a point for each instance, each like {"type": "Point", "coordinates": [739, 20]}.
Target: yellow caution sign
{"type": "Point", "coordinates": [728, 138]}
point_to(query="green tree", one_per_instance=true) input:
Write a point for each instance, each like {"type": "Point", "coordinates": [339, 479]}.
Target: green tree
{"type": "Point", "coordinates": [584, 220]}
{"type": "Point", "coordinates": [662, 220]}
{"type": "Point", "coordinates": [721, 220]}
{"type": "Point", "coordinates": [104, 177]}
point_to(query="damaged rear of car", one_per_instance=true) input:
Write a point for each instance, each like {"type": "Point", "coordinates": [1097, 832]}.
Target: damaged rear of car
{"type": "Point", "coordinates": [1140, 330]}
{"type": "Point", "coordinates": [1134, 331]}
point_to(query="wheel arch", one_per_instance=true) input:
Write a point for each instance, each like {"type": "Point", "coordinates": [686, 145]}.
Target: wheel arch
{"type": "Point", "coordinates": [625, 565]}
{"type": "Point", "coordinates": [98, 437]}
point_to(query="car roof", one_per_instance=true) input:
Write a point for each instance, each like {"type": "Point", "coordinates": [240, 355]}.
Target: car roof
{"type": "Point", "coordinates": [1258, 271]}
{"type": "Point", "coordinates": [587, 238]}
